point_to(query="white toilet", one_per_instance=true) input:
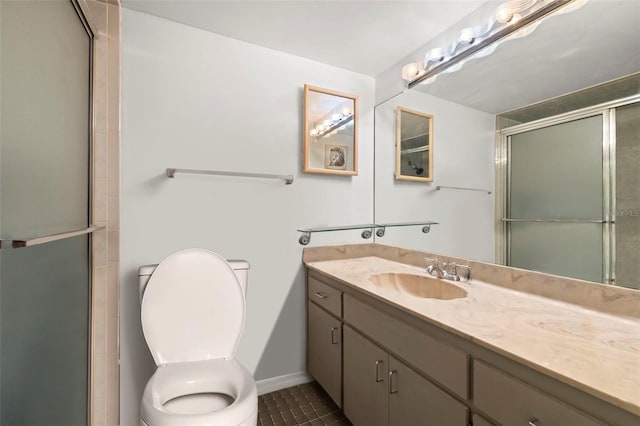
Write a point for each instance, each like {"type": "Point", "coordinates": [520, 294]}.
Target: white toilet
{"type": "Point", "coordinates": [192, 311]}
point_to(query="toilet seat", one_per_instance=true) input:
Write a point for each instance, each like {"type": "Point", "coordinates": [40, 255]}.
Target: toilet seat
{"type": "Point", "coordinates": [193, 308]}
{"type": "Point", "coordinates": [223, 376]}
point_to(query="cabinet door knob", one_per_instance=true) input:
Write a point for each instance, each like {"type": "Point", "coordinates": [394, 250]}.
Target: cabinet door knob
{"type": "Point", "coordinates": [334, 341]}
{"type": "Point", "coordinates": [533, 422]}
{"type": "Point", "coordinates": [320, 295]}
{"type": "Point", "coordinates": [393, 387]}
{"type": "Point", "coordinates": [379, 364]}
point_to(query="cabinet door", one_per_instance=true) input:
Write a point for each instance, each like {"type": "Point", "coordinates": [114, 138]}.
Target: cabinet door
{"type": "Point", "coordinates": [324, 356]}
{"type": "Point", "coordinates": [365, 381]}
{"type": "Point", "coordinates": [413, 400]}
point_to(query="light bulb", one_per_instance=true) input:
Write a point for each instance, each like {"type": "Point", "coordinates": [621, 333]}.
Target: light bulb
{"type": "Point", "coordinates": [336, 117]}
{"type": "Point", "coordinates": [314, 132]}
{"type": "Point", "coordinates": [434, 55]}
{"type": "Point", "coordinates": [467, 36]}
{"type": "Point", "coordinates": [504, 15]}
{"type": "Point", "coordinates": [411, 71]}
{"type": "Point", "coordinates": [346, 111]}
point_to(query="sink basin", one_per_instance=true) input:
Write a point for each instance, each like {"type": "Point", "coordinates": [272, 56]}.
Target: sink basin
{"type": "Point", "coordinates": [418, 286]}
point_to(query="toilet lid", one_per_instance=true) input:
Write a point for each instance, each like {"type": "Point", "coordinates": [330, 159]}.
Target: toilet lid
{"type": "Point", "coordinates": [193, 308]}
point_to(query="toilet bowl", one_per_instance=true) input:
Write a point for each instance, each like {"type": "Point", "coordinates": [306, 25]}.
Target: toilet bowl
{"type": "Point", "coordinates": [192, 312]}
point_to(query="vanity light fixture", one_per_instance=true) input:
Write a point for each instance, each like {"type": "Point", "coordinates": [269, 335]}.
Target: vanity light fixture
{"type": "Point", "coordinates": [508, 21]}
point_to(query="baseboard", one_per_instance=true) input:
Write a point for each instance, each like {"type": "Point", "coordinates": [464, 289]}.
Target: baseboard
{"type": "Point", "coordinates": [281, 382]}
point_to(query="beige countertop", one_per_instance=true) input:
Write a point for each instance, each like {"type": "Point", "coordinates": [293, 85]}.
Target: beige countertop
{"type": "Point", "coordinates": [596, 352]}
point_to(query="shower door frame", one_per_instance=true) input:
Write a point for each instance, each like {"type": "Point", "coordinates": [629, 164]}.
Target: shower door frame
{"type": "Point", "coordinates": [607, 111]}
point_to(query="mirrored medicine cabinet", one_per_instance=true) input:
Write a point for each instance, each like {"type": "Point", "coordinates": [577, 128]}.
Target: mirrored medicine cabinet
{"type": "Point", "coordinates": [330, 132]}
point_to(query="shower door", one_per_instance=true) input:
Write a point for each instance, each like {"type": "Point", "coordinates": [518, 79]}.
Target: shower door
{"type": "Point", "coordinates": [554, 213]}
{"type": "Point", "coordinates": [45, 116]}
{"type": "Point", "coordinates": [560, 213]}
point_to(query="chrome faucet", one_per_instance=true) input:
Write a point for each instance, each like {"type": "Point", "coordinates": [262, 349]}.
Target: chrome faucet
{"type": "Point", "coordinates": [433, 269]}
{"type": "Point", "coordinates": [449, 270]}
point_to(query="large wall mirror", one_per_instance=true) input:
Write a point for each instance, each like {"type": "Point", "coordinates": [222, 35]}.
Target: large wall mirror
{"type": "Point", "coordinates": [571, 61]}
{"type": "Point", "coordinates": [330, 132]}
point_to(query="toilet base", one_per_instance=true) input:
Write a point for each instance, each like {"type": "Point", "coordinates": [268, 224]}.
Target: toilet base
{"type": "Point", "coordinates": [251, 421]}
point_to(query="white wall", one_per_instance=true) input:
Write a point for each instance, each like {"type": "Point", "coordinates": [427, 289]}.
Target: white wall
{"type": "Point", "coordinates": [463, 152]}
{"type": "Point", "coordinates": [193, 99]}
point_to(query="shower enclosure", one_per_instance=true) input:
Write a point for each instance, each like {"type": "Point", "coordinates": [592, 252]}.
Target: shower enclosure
{"type": "Point", "coordinates": [572, 204]}
{"type": "Point", "coordinates": [45, 175]}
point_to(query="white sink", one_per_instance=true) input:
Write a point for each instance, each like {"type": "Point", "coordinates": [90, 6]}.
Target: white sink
{"type": "Point", "coordinates": [418, 286]}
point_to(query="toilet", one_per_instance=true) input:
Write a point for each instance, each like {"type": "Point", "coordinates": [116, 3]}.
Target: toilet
{"type": "Point", "coordinates": [192, 312]}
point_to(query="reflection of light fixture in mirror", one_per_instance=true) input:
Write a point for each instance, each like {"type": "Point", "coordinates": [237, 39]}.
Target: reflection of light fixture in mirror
{"type": "Point", "coordinates": [508, 20]}
{"type": "Point", "coordinates": [419, 170]}
{"type": "Point", "coordinates": [328, 126]}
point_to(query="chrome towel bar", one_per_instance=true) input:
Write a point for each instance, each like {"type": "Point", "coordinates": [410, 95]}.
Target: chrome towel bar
{"type": "Point", "coordinates": [288, 179]}
{"type": "Point", "coordinates": [439, 187]}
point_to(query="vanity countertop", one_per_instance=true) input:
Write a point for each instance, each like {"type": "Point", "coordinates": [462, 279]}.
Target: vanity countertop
{"type": "Point", "coordinates": [596, 352]}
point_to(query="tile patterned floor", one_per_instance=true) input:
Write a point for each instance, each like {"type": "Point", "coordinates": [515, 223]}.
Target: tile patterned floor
{"type": "Point", "coordinates": [306, 404]}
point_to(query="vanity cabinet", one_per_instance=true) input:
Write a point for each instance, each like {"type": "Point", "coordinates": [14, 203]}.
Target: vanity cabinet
{"type": "Point", "coordinates": [381, 390]}
{"type": "Point", "coordinates": [386, 366]}
{"type": "Point", "coordinates": [324, 338]}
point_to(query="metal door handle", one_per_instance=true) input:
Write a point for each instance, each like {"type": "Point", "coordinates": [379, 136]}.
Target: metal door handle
{"type": "Point", "coordinates": [320, 295]}
{"type": "Point", "coordinates": [333, 340]}
{"type": "Point", "coordinates": [393, 387]}
{"type": "Point", "coordinates": [533, 422]}
{"type": "Point", "coordinates": [379, 364]}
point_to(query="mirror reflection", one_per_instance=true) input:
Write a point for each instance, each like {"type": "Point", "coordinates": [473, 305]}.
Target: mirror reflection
{"type": "Point", "coordinates": [572, 61]}
{"type": "Point", "coordinates": [330, 132]}
{"type": "Point", "coordinates": [414, 145]}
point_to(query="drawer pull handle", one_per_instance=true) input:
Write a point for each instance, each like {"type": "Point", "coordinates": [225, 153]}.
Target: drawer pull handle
{"type": "Point", "coordinates": [379, 370]}
{"type": "Point", "coordinates": [334, 341]}
{"type": "Point", "coordinates": [393, 388]}
{"type": "Point", "coordinates": [320, 295]}
{"type": "Point", "coordinates": [533, 422]}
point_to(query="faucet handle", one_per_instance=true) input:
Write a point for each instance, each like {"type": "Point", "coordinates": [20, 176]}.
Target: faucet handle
{"type": "Point", "coordinates": [467, 273]}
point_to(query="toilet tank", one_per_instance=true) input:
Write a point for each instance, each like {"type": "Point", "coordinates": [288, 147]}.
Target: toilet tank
{"type": "Point", "coordinates": [240, 268]}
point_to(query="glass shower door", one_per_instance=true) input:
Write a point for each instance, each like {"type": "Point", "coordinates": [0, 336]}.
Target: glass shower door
{"type": "Point", "coordinates": [45, 98]}
{"type": "Point", "coordinates": [555, 221]}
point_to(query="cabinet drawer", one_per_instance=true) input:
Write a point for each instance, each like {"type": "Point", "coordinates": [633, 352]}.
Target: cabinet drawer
{"type": "Point", "coordinates": [326, 296]}
{"type": "Point", "coordinates": [445, 364]}
{"type": "Point", "coordinates": [512, 402]}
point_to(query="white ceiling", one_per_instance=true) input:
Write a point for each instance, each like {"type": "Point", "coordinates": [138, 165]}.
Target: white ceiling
{"type": "Point", "coordinates": [365, 36]}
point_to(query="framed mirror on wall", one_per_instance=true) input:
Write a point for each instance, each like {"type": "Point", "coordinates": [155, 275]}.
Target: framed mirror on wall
{"type": "Point", "coordinates": [414, 145]}
{"type": "Point", "coordinates": [330, 132]}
